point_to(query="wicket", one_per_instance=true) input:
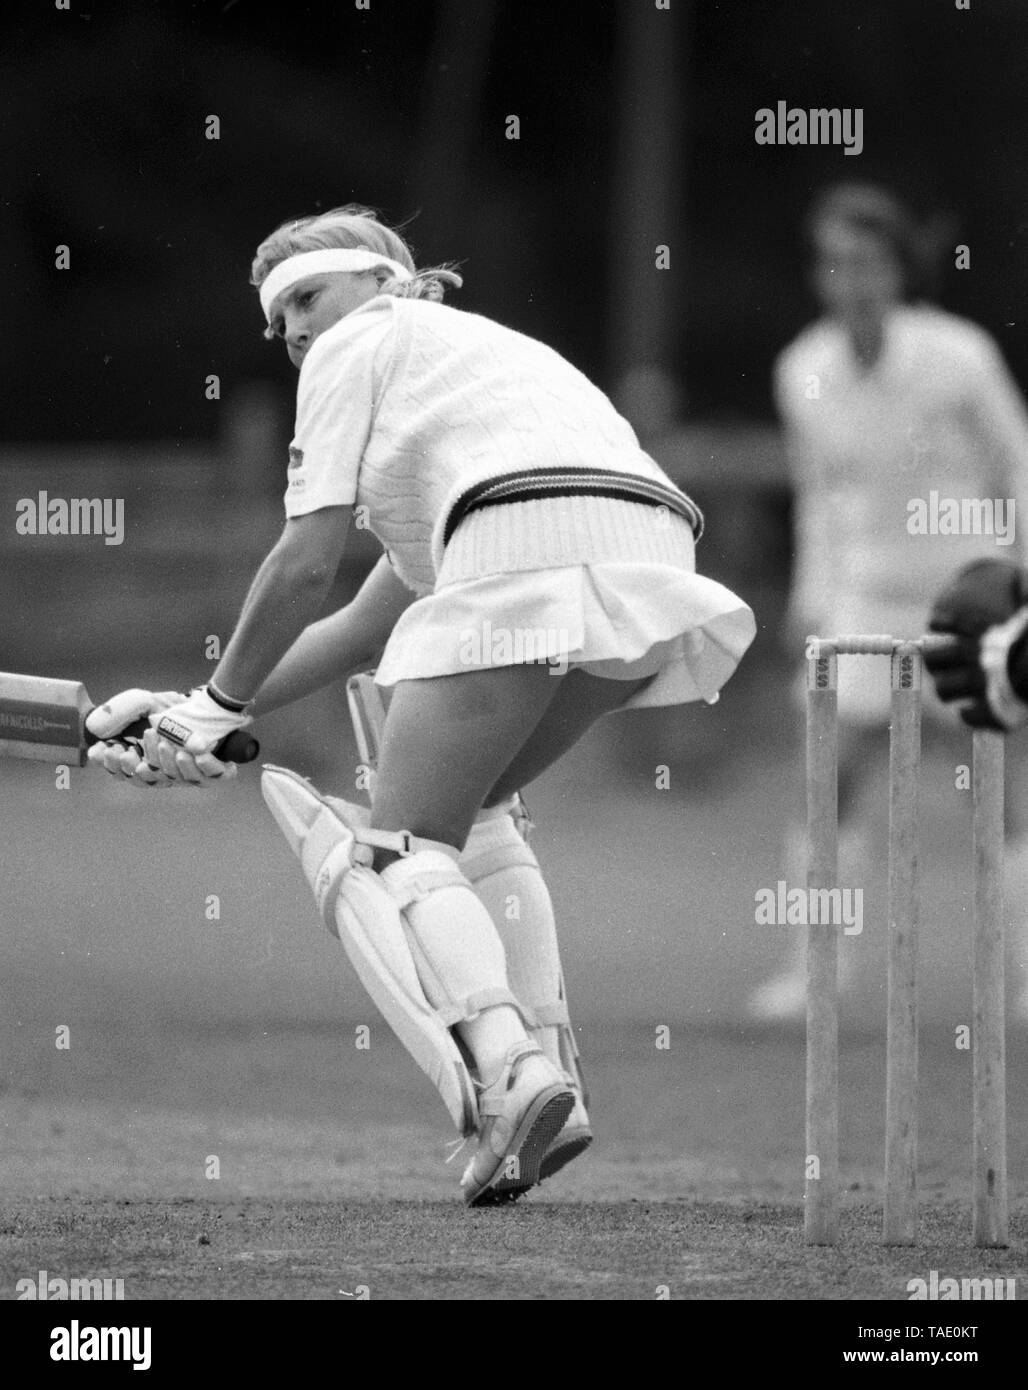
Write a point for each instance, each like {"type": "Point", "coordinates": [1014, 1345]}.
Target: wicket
{"type": "Point", "coordinates": [989, 1076]}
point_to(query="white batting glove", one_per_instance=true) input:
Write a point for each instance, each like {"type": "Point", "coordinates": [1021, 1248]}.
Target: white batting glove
{"type": "Point", "coordinates": [123, 757]}
{"type": "Point", "coordinates": [181, 744]}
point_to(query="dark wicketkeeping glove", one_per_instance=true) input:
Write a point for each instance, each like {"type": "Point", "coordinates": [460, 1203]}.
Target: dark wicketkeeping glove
{"type": "Point", "coordinates": [985, 611]}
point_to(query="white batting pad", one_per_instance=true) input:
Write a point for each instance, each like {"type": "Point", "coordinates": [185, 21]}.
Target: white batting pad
{"type": "Point", "coordinates": [366, 918]}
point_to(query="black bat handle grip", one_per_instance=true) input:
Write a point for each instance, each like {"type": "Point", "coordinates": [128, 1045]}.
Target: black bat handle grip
{"type": "Point", "coordinates": [237, 747]}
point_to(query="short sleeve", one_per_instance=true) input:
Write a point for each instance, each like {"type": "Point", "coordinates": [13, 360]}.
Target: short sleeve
{"type": "Point", "coordinates": [999, 406]}
{"type": "Point", "coordinates": [335, 408]}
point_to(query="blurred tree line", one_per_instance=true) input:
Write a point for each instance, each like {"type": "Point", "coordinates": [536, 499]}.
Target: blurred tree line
{"type": "Point", "coordinates": [403, 106]}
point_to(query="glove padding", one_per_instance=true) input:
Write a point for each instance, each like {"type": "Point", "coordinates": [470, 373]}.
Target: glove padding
{"type": "Point", "coordinates": [182, 741]}
{"type": "Point", "coordinates": [979, 603]}
{"type": "Point", "coordinates": [123, 757]}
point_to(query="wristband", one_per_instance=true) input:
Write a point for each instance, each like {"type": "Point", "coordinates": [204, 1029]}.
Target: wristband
{"type": "Point", "coordinates": [225, 701]}
{"type": "Point", "coordinates": [996, 644]}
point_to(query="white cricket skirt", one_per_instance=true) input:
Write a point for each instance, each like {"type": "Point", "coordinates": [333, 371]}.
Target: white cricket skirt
{"type": "Point", "coordinates": [619, 619]}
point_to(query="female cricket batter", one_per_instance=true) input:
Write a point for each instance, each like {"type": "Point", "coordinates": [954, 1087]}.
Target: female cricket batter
{"type": "Point", "coordinates": [538, 572]}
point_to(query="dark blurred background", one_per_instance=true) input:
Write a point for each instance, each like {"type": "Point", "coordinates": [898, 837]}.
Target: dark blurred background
{"type": "Point", "coordinates": [633, 120]}
{"type": "Point", "coordinates": [636, 130]}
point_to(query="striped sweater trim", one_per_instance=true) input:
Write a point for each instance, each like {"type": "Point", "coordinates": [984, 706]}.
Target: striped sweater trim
{"type": "Point", "coordinates": [532, 483]}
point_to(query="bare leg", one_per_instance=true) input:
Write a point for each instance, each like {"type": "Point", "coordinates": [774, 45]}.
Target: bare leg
{"type": "Point", "coordinates": [456, 743]}
{"type": "Point", "coordinates": [509, 880]}
{"type": "Point", "coordinates": [449, 743]}
{"type": "Point", "coordinates": [580, 701]}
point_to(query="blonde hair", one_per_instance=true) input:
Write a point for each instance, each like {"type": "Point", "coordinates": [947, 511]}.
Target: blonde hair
{"type": "Point", "coordinates": [353, 228]}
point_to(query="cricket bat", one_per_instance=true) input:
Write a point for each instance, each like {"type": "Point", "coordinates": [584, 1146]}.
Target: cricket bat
{"type": "Point", "coordinates": [367, 710]}
{"type": "Point", "coordinates": [46, 719]}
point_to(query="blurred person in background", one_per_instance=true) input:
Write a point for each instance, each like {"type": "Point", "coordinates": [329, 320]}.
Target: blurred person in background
{"type": "Point", "coordinates": [892, 409]}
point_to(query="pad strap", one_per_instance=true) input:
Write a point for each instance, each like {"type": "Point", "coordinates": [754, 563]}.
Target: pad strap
{"type": "Point", "coordinates": [553, 1015]}
{"type": "Point", "coordinates": [499, 1103]}
{"type": "Point", "coordinates": [402, 842]}
{"type": "Point", "coordinates": [473, 1004]}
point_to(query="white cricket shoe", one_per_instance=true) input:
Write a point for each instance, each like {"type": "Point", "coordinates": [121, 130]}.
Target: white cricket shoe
{"type": "Point", "coordinates": [522, 1113]}
{"type": "Point", "coordinates": [573, 1139]}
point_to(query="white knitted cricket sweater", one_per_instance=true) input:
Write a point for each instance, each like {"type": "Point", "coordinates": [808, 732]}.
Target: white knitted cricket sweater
{"type": "Point", "coordinates": [405, 404]}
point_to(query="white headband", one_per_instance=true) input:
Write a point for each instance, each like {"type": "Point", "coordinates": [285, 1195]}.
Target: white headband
{"type": "Point", "coordinates": [298, 267]}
